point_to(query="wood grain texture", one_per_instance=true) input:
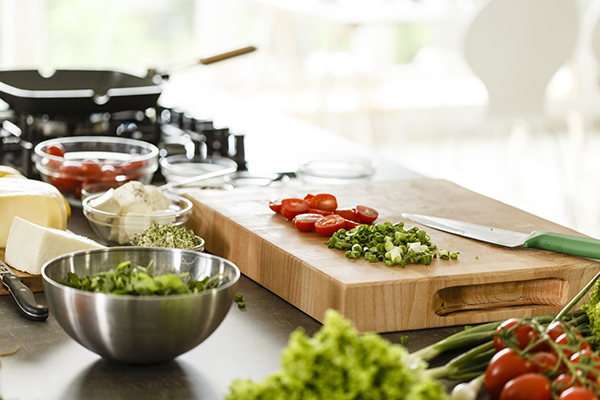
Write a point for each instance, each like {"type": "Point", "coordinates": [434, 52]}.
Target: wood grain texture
{"type": "Point", "coordinates": [485, 283]}
{"type": "Point", "coordinates": [35, 282]}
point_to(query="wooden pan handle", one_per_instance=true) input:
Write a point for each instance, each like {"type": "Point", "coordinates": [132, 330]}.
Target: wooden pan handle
{"type": "Point", "coordinates": [225, 56]}
{"type": "Point", "coordinates": [538, 292]}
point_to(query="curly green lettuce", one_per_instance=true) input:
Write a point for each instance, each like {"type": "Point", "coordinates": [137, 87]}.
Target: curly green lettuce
{"type": "Point", "coordinates": [340, 363]}
{"type": "Point", "coordinates": [592, 309]}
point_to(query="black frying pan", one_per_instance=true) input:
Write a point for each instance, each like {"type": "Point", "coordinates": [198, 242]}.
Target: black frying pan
{"type": "Point", "coordinates": [72, 92]}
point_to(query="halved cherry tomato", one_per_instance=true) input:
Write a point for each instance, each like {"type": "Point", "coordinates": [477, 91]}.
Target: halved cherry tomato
{"type": "Point", "coordinates": [275, 205]}
{"type": "Point", "coordinates": [577, 393]}
{"type": "Point", "coordinates": [308, 197]}
{"type": "Point", "coordinates": [524, 334]}
{"type": "Point", "coordinates": [292, 207]}
{"type": "Point", "coordinates": [504, 366]}
{"type": "Point", "coordinates": [55, 150]}
{"type": "Point", "coordinates": [350, 225]}
{"type": "Point", "coordinates": [330, 224]}
{"type": "Point", "coordinates": [366, 214]}
{"type": "Point", "coordinates": [317, 211]}
{"type": "Point", "coordinates": [348, 213]}
{"type": "Point", "coordinates": [324, 201]}
{"type": "Point", "coordinates": [529, 386]}
{"type": "Point", "coordinates": [306, 222]}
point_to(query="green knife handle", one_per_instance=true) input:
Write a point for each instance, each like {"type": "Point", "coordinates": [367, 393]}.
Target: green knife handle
{"type": "Point", "coordinates": [563, 243]}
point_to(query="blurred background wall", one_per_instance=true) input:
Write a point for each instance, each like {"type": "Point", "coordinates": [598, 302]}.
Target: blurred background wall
{"type": "Point", "coordinates": [389, 74]}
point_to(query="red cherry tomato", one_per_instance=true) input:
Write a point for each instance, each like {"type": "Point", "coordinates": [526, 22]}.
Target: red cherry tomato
{"type": "Point", "coordinates": [350, 224]}
{"type": "Point", "coordinates": [543, 361]}
{"type": "Point", "coordinates": [529, 386]}
{"type": "Point", "coordinates": [577, 393]}
{"type": "Point", "coordinates": [555, 329]}
{"type": "Point", "coordinates": [564, 381]}
{"type": "Point", "coordinates": [55, 150]}
{"type": "Point", "coordinates": [308, 197]}
{"type": "Point", "coordinates": [330, 224]}
{"type": "Point", "coordinates": [109, 173]}
{"type": "Point", "coordinates": [589, 358]}
{"type": "Point", "coordinates": [129, 166]}
{"type": "Point", "coordinates": [317, 211]}
{"type": "Point", "coordinates": [69, 177]}
{"type": "Point", "coordinates": [366, 214]}
{"type": "Point", "coordinates": [524, 334]}
{"type": "Point", "coordinates": [324, 201]}
{"type": "Point", "coordinates": [292, 207]}
{"type": "Point", "coordinates": [306, 222]}
{"type": "Point", "coordinates": [504, 366]}
{"type": "Point", "coordinates": [275, 205]}
{"type": "Point", "coordinates": [92, 170]}
{"type": "Point", "coordinates": [348, 213]}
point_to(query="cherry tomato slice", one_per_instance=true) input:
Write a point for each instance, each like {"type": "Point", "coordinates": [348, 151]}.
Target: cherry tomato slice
{"type": "Point", "coordinates": [351, 224]}
{"type": "Point", "coordinates": [55, 150]}
{"type": "Point", "coordinates": [317, 211]}
{"type": "Point", "coordinates": [275, 205]}
{"type": "Point", "coordinates": [330, 224]}
{"type": "Point", "coordinates": [504, 366]}
{"type": "Point", "coordinates": [529, 386]}
{"type": "Point", "coordinates": [324, 201]}
{"type": "Point", "coordinates": [292, 207]}
{"type": "Point", "coordinates": [348, 213]}
{"type": "Point", "coordinates": [366, 214]}
{"type": "Point", "coordinates": [306, 222]}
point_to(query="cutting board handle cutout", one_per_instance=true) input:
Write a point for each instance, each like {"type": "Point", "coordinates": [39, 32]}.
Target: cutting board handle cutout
{"type": "Point", "coordinates": [537, 292]}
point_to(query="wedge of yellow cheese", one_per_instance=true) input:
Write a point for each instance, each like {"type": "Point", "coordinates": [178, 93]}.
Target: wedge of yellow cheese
{"type": "Point", "coordinates": [30, 246]}
{"type": "Point", "coordinates": [34, 201]}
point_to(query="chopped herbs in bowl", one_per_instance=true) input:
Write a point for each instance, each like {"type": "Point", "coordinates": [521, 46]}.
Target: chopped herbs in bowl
{"type": "Point", "coordinates": [169, 236]}
{"type": "Point", "coordinates": [127, 279]}
{"type": "Point", "coordinates": [105, 300]}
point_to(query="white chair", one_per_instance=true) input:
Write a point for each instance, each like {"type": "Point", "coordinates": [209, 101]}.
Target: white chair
{"type": "Point", "coordinates": [516, 46]}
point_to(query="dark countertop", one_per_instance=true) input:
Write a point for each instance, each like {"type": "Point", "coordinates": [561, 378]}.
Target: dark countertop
{"type": "Point", "coordinates": [50, 365]}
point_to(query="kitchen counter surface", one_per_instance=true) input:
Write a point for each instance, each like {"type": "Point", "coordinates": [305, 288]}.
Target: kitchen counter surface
{"type": "Point", "coordinates": [50, 365]}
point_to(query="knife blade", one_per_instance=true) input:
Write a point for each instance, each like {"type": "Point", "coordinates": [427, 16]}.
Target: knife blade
{"type": "Point", "coordinates": [557, 242]}
{"type": "Point", "coordinates": [22, 295]}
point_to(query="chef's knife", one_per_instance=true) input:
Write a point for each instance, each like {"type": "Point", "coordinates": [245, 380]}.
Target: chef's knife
{"type": "Point", "coordinates": [558, 242]}
{"type": "Point", "coordinates": [22, 295]}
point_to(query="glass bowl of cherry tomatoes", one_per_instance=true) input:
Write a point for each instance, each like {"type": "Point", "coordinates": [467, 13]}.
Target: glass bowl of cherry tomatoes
{"type": "Point", "coordinates": [71, 163]}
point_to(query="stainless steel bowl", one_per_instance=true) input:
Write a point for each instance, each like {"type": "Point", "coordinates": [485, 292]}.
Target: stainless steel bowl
{"type": "Point", "coordinates": [139, 329]}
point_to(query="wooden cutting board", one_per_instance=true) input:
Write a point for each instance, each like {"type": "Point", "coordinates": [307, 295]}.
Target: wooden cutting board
{"type": "Point", "coordinates": [34, 282]}
{"type": "Point", "coordinates": [485, 283]}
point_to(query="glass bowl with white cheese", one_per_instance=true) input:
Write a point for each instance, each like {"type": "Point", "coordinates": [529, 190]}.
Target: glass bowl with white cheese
{"type": "Point", "coordinates": [118, 215]}
{"type": "Point", "coordinates": [70, 163]}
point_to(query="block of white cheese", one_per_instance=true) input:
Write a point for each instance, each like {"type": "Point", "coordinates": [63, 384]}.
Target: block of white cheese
{"type": "Point", "coordinates": [35, 201]}
{"type": "Point", "coordinates": [136, 197]}
{"type": "Point", "coordinates": [29, 245]}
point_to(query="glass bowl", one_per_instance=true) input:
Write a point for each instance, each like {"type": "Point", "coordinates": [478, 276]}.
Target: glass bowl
{"type": "Point", "coordinates": [117, 229]}
{"type": "Point", "coordinates": [337, 171]}
{"type": "Point", "coordinates": [179, 167]}
{"type": "Point", "coordinates": [94, 159]}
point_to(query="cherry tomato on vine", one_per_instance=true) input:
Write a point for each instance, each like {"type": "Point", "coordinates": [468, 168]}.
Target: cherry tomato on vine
{"type": "Point", "coordinates": [529, 386]}
{"type": "Point", "coordinates": [524, 334]}
{"type": "Point", "coordinates": [306, 222]}
{"type": "Point", "coordinates": [504, 366]}
{"type": "Point", "coordinates": [324, 201]}
{"type": "Point", "coordinates": [330, 224]}
{"type": "Point", "coordinates": [543, 361]}
{"type": "Point", "coordinates": [275, 206]}
{"type": "Point", "coordinates": [577, 393]}
{"type": "Point", "coordinates": [555, 329]}
{"type": "Point", "coordinates": [366, 214]}
{"type": "Point", "coordinates": [292, 207]}
{"type": "Point", "coordinates": [564, 381]}
{"type": "Point", "coordinates": [589, 358]}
